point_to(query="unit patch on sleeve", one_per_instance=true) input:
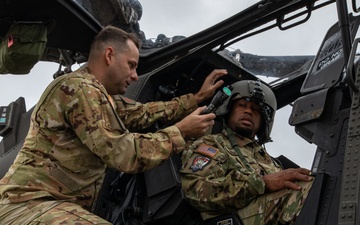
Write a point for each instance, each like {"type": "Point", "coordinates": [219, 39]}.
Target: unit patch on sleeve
{"type": "Point", "coordinates": [207, 150]}
{"type": "Point", "coordinates": [123, 99]}
{"type": "Point", "coordinates": [199, 163]}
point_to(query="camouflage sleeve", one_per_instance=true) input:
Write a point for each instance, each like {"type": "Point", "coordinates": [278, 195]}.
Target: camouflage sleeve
{"type": "Point", "coordinates": [219, 182]}
{"type": "Point", "coordinates": [137, 116]}
{"type": "Point", "coordinates": [94, 122]}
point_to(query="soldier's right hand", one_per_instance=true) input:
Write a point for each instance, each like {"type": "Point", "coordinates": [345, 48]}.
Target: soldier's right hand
{"type": "Point", "coordinates": [195, 125]}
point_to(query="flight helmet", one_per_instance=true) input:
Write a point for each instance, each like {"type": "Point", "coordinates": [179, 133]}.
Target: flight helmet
{"type": "Point", "coordinates": [253, 91]}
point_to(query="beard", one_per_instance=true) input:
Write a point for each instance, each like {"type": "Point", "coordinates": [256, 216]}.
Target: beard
{"type": "Point", "coordinates": [245, 132]}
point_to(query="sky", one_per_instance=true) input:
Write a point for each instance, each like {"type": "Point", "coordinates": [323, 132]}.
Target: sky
{"type": "Point", "coordinates": [186, 17]}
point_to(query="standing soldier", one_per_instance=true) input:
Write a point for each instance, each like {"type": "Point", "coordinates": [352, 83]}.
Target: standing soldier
{"type": "Point", "coordinates": [77, 130]}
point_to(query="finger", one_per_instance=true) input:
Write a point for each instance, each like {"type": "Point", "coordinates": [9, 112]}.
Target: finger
{"type": "Point", "coordinates": [211, 116]}
{"type": "Point", "coordinates": [297, 170]}
{"type": "Point", "coordinates": [215, 74]}
{"type": "Point", "coordinates": [208, 117]}
{"type": "Point", "coordinates": [198, 110]}
{"type": "Point", "coordinates": [303, 171]}
{"type": "Point", "coordinates": [303, 177]}
{"type": "Point", "coordinates": [218, 84]}
{"type": "Point", "coordinates": [218, 74]}
{"type": "Point", "coordinates": [292, 185]}
{"type": "Point", "coordinates": [212, 122]}
{"type": "Point", "coordinates": [221, 73]}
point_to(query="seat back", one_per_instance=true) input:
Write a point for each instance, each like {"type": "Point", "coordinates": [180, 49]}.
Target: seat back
{"type": "Point", "coordinates": [165, 202]}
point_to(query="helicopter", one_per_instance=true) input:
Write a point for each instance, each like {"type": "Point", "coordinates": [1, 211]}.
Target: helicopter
{"type": "Point", "coordinates": [322, 89]}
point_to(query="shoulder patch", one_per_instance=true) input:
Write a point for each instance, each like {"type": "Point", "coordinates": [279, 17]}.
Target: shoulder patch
{"type": "Point", "coordinates": [199, 163]}
{"type": "Point", "coordinates": [127, 100]}
{"type": "Point", "coordinates": [123, 99]}
{"type": "Point", "coordinates": [207, 150]}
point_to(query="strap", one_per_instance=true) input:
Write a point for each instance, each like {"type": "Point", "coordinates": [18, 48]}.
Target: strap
{"type": "Point", "coordinates": [110, 99]}
{"type": "Point", "coordinates": [231, 136]}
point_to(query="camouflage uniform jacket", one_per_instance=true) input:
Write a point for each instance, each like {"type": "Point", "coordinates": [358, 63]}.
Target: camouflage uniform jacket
{"type": "Point", "coordinates": [217, 181]}
{"type": "Point", "coordinates": [75, 134]}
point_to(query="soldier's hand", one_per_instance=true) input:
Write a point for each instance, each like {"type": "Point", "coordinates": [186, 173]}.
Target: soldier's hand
{"type": "Point", "coordinates": [286, 179]}
{"type": "Point", "coordinates": [195, 125]}
{"type": "Point", "coordinates": [210, 85]}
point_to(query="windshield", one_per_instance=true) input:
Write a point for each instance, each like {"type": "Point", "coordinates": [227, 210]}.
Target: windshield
{"type": "Point", "coordinates": [188, 17]}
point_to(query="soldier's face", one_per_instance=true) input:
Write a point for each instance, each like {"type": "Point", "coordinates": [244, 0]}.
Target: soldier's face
{"type": "Point", "coordinates": [245, 118]}
{"type": "Point", "coordinates": [123, 72]}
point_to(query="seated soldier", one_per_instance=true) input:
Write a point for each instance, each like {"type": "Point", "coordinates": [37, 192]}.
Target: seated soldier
{"type": "Point", "coordinates": [231, 172]}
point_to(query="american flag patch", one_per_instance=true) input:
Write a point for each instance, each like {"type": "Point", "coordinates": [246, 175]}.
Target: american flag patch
{"type": "Point", "coordinates": [207, 150]}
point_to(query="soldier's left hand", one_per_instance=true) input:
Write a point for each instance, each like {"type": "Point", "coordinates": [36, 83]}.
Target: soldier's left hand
{"type": "Point", "coordinates": [210, 85]}
{"type": "Point", "coordinates": [286, 179]}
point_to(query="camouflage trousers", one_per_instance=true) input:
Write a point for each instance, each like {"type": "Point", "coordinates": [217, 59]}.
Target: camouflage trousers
{"type": "Point", "coordinates": [47, 212]}
{"type": "Point", "coordinates": [280, 207]}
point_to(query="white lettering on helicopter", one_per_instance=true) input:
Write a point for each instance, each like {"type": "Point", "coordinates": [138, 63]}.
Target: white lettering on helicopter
{"type": "Point", "coordinates": [330, 59]}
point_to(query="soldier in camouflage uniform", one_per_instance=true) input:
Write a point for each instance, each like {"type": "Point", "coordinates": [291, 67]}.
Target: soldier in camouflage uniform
{"type": "Point", "coordinates": [77, 130]}
{"type": "Point", "coordinates": [231, 172]}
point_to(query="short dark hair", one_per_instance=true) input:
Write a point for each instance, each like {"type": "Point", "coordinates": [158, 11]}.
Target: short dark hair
{"type": "Point", "coordinates": [115, 36]}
